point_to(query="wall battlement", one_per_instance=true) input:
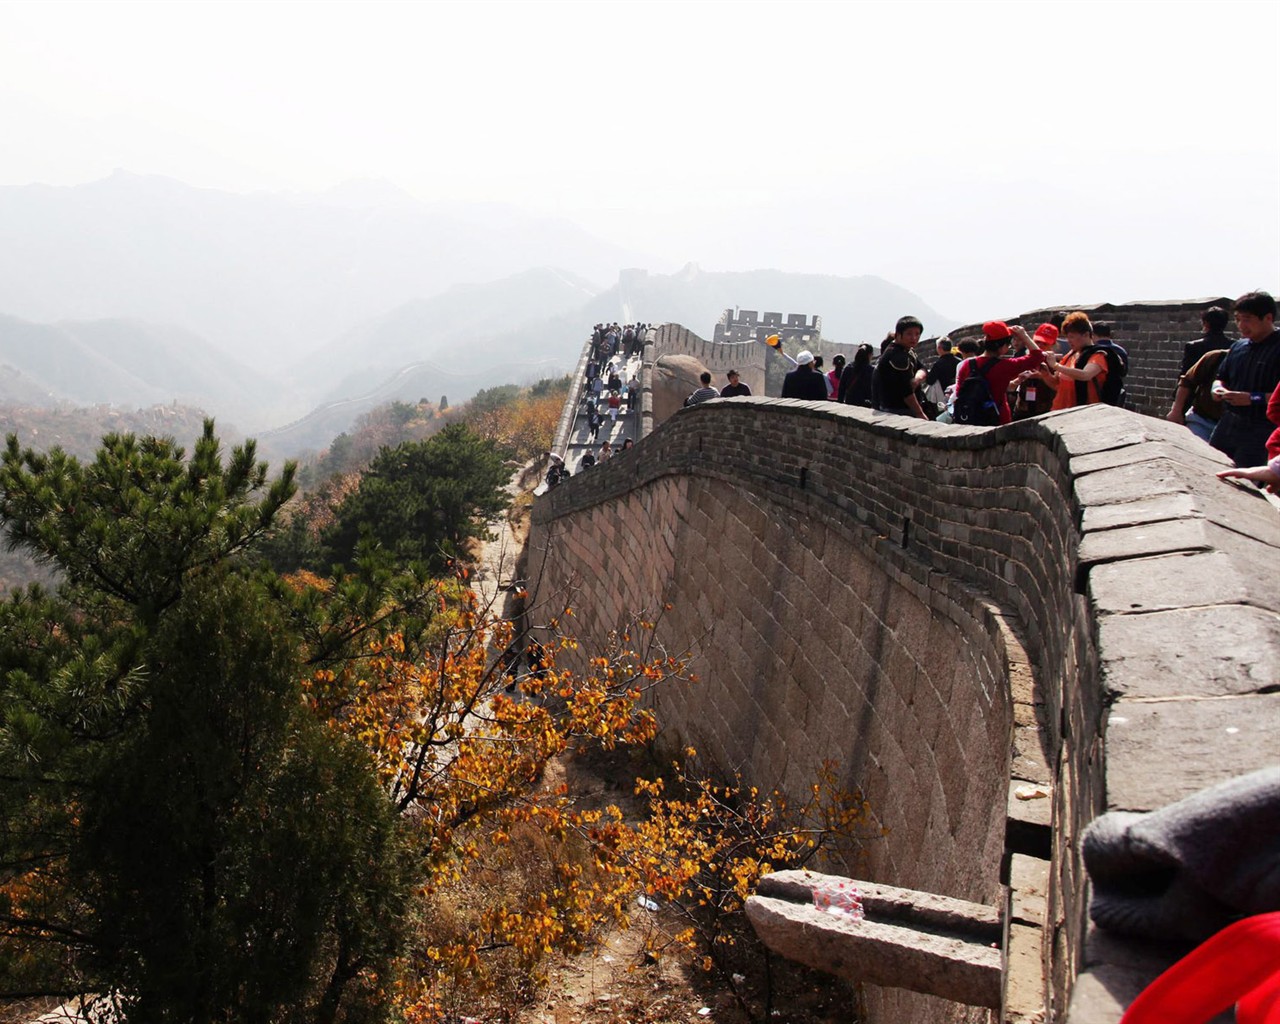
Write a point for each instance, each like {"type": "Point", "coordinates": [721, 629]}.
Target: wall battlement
{"type": "Point", "coordinates": [952, 613]}
{"type": "Point", "coordinates": [796, 329]}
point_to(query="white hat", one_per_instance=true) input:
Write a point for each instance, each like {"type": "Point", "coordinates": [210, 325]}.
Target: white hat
{"type": "Point", "coordinates": [804, 357]}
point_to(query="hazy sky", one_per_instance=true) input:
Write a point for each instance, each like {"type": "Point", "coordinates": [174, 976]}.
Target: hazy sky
{"type": "Point", "coordinates": [990, 156]}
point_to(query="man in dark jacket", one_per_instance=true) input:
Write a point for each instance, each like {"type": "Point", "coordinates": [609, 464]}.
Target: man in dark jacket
{"type": "Point", "coordinates": [1246, 377]}
{"type": "Point", "coordinates": [896, 384]}
{"type": "Point", "coordinates": [1213, 324]}
{"type": "Point", "coordinates": [943, 370]}
{"type": "Point", "coordinates": [804, 381]}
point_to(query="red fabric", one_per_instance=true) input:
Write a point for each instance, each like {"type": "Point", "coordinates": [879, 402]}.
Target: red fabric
{"type": "Point", "coordinates": [1000, 376]}
{"type": "Point", "coordinates": [1239, 966]}
{"type": "Point", "coordinates": [1273, 414]}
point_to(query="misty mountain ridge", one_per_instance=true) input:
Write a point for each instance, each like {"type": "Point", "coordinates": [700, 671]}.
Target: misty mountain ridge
{"type": "Point", "coordinates": [266, 277]}
{"type": "Point", "coordinates": [126, 363]}
{"type": "Point", "coordinates": [455, 344]}
{"type": "Point", "coordinates": [466, 323]}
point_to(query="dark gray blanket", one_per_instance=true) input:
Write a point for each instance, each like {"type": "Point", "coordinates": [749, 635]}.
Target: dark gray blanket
{"type": "Point", "coordinates": [1187, 870]}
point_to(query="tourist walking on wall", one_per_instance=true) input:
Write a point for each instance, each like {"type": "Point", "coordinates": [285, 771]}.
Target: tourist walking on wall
{"type": "Point", "coordinates": [1213, 325]}
{"type": "Point", "coordinates": [704, 393]}
{"type": "Point", "coordinates": [855, 381]}
{"type": "Point", "coordinates": [735, 387]}
{"type": "Point", "coordinates": [1117, 363]}
{"type": "Point", "coordinates": [1193, 404]}
{"type": "Point", "coordinates": [1034, 396]}
{"type": "Point", "coordinates": [804, 381]}
{"type": "Point", "coordinates": [898, 378]}
{"type": "Point", "coordinates": [615, 406]}
{"type": "Point", "coordinates": [997, 370]}
{"type": "Point", "coordinates": [594, 419]}
{"type": "Point", "coordinates": [833, 378]}
{"type": "Point", "coordinates": [1081, 374]}
{"type": "Point", "coordinates": [1247, 376]}
{"type": "Point", "coordinates": [941, 377]}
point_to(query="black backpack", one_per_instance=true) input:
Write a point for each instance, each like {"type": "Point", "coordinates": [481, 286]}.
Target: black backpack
{"type": "Point", "coordinates": [974, 404]}
{"type": "Point", "coordinates": [1113, 391]}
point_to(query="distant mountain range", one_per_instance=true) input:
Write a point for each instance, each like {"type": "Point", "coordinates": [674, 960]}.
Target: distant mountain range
{"type": "Point", "coordinates": [287, 317]}
{"type": "Point", "coordinates": [125, 363]}
{"type": "Point", "coordinates": [266, 277]}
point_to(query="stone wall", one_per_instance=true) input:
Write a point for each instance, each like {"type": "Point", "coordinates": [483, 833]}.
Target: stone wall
{"type": "Point", "coordinates": [745, 356]}
{"type": "Point", "coordinates": [948, 611]}
{"type": "Point", "coordinates": [796, 330]}
{"type": "Point", "coordinates": [1153, 333]}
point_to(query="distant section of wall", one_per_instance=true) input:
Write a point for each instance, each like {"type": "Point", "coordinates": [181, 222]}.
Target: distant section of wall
{"type": "Point", "coordinates": [796, 330]}
{"type": "Point", "coordinates": [1153, 333]}
{"type": "Point", "coordinates": [955, 613]}
{"type": "Point", "coordinates": [745, 356]}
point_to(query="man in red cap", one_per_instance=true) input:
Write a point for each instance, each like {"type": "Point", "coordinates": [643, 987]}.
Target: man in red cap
{"type": "Point", "coordinates": [1034, 392]}
{"type": "Point", "coordinates": [996, 367]}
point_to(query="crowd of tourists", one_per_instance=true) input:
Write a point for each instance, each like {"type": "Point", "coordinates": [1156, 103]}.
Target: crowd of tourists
{"type": "Point", "coordinates": [610, 393]}
{"type": "Point", "coordinates": [1009, 375]}
{"type": "Point", "coordinates": [1228, 391]}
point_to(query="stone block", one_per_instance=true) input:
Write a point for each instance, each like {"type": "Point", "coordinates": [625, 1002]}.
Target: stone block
{"type": "Point", "coordinates": [1024, 982]}
{"type": "Point", "coordinates": [1217, 650]}
{"type": "Point", "coordinates": [1162, 751]}
{"type": "Point", "coordinates": [1181, 581]}
{"type": "Point", "coordinates": [914, 940]}
{"type": "Point", "coordinates": [1166, 537]}
{"type": "Point", "coordinates": [1028, 889]}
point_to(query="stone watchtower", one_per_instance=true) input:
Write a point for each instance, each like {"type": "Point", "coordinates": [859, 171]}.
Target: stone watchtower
{"type": "Point", "coordinates": [797, 331]}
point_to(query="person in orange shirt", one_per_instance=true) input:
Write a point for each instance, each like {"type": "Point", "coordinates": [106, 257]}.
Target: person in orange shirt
{"type": "Point", "coordinates": [1078, 331]}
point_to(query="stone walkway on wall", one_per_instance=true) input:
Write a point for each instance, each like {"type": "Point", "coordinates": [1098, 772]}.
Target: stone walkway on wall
{"type": "Point", "coordinates": [1183, 584]}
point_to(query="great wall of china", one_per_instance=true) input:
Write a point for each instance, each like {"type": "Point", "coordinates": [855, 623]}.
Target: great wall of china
{"type": "Point", "coordinates": [1071, 605]}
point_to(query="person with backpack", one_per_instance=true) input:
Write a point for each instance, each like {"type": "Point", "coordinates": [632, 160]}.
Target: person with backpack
{"type": "Point", "coordinates": [1081, 374]}
{"type": "Point", "coordinates": [982, 383]}
{"type": "Point", "coordinates": [1117, 365]}
{"type": "Point", "coordinates": [1035, 388]}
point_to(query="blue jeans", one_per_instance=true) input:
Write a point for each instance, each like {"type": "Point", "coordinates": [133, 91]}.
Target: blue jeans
{"type": "Point", "coordinates": [1201, 426]}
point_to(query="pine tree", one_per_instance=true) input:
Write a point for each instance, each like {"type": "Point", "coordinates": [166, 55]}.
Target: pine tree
{"type": "Point", "coordinates": [421, 501]}
{"type": "Point", "coordinates": [179, 837]}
